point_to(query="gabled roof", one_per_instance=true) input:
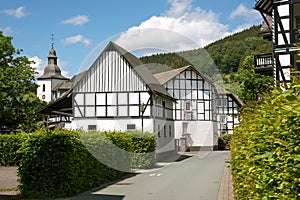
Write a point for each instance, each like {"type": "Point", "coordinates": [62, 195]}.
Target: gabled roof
{"type": "Point", "coordinates": [264, 6]}
{"type": "Point", "coordinates": [164, 77]}
{"type": "Point", "coordinates": [141, 69]}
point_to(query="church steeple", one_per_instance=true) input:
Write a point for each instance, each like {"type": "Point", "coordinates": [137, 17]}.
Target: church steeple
{"type": "Point", "coordinates": [52, 70]}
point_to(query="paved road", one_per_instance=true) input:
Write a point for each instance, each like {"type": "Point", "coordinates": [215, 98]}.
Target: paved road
{"type": "Point", "coordinates": [195, 178]}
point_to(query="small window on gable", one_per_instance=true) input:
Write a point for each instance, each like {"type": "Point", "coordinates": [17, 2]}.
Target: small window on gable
{"type": "Point", "coordinates": [44, 87]}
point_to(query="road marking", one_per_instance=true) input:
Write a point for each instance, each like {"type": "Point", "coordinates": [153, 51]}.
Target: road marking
{"type": "Point", "coordinates": [151, 175]}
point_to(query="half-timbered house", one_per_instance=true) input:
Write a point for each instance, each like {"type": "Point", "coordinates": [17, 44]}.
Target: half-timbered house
{"type": "Point", "coordinates": [282, 20]}
{"type": "Point", "coordinates": [203, 111]}
{"type": "Point", "coordinates": [118, 92]}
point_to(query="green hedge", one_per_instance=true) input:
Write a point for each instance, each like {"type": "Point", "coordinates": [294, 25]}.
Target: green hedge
{"type": "Point", "coordinates": [224, 142]}
{"type": "Point", "coordinates": [59, 163]}
{"type": "Point", "coordinates": [9, 145]}
{"type": "Point", "coordinates": [265, 148]}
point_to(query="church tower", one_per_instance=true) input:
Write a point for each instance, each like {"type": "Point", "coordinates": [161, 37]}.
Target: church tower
{"type": "Point", "coordinates": [52, 77]}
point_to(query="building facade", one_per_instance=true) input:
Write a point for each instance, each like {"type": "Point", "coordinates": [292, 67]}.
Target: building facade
{"type": "Point", "coordinates": [282, 18]}
{"type": "Point", "coordinates": [118, 92]}
{"type": "Point", "coordinates": [203, 111]}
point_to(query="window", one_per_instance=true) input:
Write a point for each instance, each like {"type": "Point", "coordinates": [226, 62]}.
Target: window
{"type": "Point", "coordinates": [184, 127]}
{"type": "Point", "coordinates": [92, 127]}
{"type": "Point", "coordinates": [223, 119]}
{"type": "Point", "coordinates": [165, 131]}
{"type": "Point", "coordinates": [158, 131]}
{"type": "Point", "coordinates": [130, 127]}
{"type": "Point", "coordinates": [170, 131]}
{"type": "Point", "coordinates": [187, 106]}
{"type": "Point", "coordinates": [44, 87]}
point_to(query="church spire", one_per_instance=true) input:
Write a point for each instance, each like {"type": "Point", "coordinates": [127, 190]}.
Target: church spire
{"type": "Point", "coordinates": [52, 71]}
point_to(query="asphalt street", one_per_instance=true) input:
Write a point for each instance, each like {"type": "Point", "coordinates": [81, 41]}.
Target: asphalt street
{"type": "Point", "coordinates": [195, 178]}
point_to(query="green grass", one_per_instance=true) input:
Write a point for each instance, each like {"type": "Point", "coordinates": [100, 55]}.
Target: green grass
{"type": "Point", "coordinates": [8, 189]}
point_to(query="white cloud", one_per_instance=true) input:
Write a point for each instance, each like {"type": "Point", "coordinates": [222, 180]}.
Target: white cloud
{"type": "Point", "coordinates": [77, 21]}
{"type": "Point", "coordinates": [18, 12]}
{"type": "Point", "coordinates": [185, 28]}
{"type": "Point", "coordinates": [246, 14]}
{"type": "Point", "coordinates": [179, 7]}
{"type": "Point", "coordinates": [76, 39]}
{"type": "Point", "coordinates": [7, 30]}
{"type": "Point", "coordinates": [39, 65]}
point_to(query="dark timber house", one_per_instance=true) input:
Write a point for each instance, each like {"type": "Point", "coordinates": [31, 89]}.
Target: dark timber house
{"type": "Point", "coordinates": [282, 26]}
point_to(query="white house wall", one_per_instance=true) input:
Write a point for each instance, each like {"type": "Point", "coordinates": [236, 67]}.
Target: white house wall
{"type": "Point", "coordinates": [44, 95]}
{"type": "Point", "coordinates": [164, 129]}
{"type": "Point", "coordinates": [202, 133]}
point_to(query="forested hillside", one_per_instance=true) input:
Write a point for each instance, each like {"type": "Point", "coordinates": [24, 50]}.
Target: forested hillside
{"type": "Point", "coordinates": [226, 54]}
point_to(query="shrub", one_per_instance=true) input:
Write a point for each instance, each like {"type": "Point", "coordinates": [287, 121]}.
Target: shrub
{"type": "Point", "coordinates": [265, 149]}
{"type": "Point", "coordinates": [224, 142]}
{"type": "Point", "coordinates": [9, 145]}
{"type": "Point", "coordinates": [63, 163]}
{"type": "Point", "coordinates": [143, 147]}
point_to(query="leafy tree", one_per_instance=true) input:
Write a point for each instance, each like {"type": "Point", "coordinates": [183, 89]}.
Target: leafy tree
{"type": "Point", "coordinates": [252, 85]}
{"type": "Point", "coordinates": [18, 101]}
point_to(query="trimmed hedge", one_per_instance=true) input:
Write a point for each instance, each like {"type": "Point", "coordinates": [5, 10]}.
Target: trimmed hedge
{"type": "Point", "coordinates": [9, 145]}
{"type": "Point", "coordinates": [265, 148]}
{"type": "Point", "coordinates": [57, 164]}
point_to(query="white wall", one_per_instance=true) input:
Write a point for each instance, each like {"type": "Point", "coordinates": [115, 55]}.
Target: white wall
{"type": "Point", "coordinates": [202, 133]}
{"type": "Point", "coordinates": [164, 144]}
{"type": "Point", "coordinates": [166, 140]}
{"type": "Point", "coordinates": [47, 93]}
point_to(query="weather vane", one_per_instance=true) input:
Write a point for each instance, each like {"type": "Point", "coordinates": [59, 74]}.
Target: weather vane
{"type": "Point", "coordinates": [52, 41]}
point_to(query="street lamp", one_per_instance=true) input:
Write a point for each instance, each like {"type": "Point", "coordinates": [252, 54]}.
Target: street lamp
{"type": "Point", "coordinates": [142, 110]}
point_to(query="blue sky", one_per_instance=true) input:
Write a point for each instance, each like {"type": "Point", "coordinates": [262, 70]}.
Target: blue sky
{"type": "Point", "coordinates": [84, 26]}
